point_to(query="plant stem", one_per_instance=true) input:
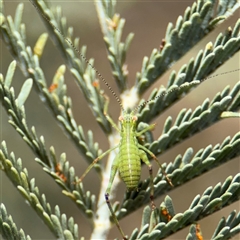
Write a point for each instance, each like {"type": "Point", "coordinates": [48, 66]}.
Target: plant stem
{"type": "Point", "coordinates": [102, 223]}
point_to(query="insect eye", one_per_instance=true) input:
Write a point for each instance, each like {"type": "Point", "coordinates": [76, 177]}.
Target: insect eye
{"type": "Point", "coordinates": [134, 118]}
{"type": "Point", "coordinates": [120, 118]}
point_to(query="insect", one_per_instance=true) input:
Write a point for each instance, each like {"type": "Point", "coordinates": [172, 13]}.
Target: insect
{"type": "Point", "coordinates": [128, 159]}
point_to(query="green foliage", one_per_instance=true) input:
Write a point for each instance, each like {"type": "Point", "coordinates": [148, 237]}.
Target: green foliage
{"type": "Point", "coordinates": [196, 22]}
{"type": "Point", "coordinates": [8, 228]}
{"type": "Point", "coordinates": [61, 227]}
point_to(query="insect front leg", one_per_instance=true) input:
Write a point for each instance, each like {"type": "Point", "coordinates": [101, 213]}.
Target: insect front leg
{"type": "Point", "coordinates": [93, 163]}
{"type": "Point", "coordinates": [114, 169]}
{"type": "Point", "coordinates": [148, 128]}
{"type": "Point", "coordinates": [106, 114]}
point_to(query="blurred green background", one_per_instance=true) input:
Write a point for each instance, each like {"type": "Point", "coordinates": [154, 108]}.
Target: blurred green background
{"type": "Point", "coordinates": [148, 20]}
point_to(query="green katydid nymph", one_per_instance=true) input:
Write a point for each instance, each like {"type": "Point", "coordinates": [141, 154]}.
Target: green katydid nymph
{"type": "Point", "coordinates": [128, 159]}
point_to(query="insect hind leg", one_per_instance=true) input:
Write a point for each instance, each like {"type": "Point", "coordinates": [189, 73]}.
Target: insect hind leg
{"type": "Point", "coordinates": [144, 158]}
{"type": "Point", "coordinates": [114, 216]}
{"type": "Point", "coordinates": [159, 164]}
{"type": "Point", "coordinates": [114, 169]}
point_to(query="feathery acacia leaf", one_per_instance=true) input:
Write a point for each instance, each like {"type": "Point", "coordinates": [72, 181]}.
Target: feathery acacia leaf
{"type": "Point", "coordinates": [55, 97]}
{"type": "Point", "coordinates": [196, 211]}
{"type": "Point", "coordinates": [60, 170]}
{"type": "Point", "coordinates": [198, 69]}
{"type": "Point", "coordinates": [191, 122]}
{"type": "Point", "coordinates": [112, 28]}
{"type": "Point", "coordinates": [196, 23]}
{"type": "Point", "coordinates": [82, 69]}
{"type": "Point", "coordinates": [19, 177]}
{"type": "Point", "coordinates": [8, 228]}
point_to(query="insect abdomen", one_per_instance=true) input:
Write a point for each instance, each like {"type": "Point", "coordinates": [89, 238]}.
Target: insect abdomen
{"type": "Point", "coordinates": [130, 164]}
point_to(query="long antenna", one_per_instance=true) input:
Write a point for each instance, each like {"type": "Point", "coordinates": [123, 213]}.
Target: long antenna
{"type": "Point", "coordinates": [195, 82]}
{"type": "Point", "coordinates": [81, 55]}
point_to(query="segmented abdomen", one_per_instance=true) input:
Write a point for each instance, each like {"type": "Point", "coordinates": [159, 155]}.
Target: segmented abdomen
{"type": "Point", "coordinates": [129, 163]}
